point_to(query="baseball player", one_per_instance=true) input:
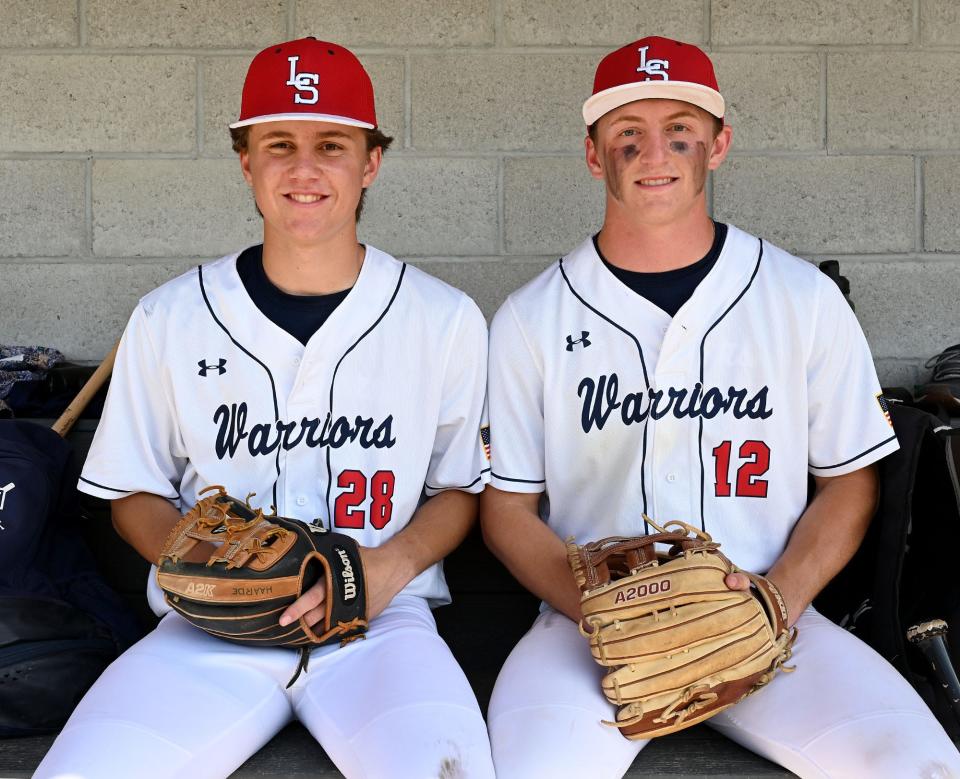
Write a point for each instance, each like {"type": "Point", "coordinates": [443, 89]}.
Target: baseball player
{"type": "Point", "coordinates": [335, 382]}
{"type": "Point", "coordinates": [684, 369]}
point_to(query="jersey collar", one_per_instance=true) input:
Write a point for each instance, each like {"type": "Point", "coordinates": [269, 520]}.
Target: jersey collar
{"type": "Point", "coordinates": [600, 289]}
{"type": "Point", "coordinates": [232, 305]}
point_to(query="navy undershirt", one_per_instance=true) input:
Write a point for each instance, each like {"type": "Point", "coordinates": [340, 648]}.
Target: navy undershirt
{"type": "Point", "coordinates": [670, 289]}
{"type": "Point", "coordinates": [299, 315]}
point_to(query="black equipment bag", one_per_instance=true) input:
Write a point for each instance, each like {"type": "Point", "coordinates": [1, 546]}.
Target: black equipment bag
{"type": "Point", "coordinates": [904, 572]}
{"type": "Point", "coordinates": [60, 624]}
{"type": "Point", "coordinates": [50, 654]}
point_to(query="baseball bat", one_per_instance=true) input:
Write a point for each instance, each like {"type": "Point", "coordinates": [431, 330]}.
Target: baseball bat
{"type": "Point", "coordinates": [85, 395]}
{"type": "Point", "coordinates": [930, 638]}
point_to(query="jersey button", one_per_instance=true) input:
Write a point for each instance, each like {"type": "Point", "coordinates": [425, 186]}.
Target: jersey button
{"type": "Point", "coordinates": [301, 501]}
{"type": "Point", "coordinates": [671, 477]}
{"type": "Point", "coordinates": [296, 360]}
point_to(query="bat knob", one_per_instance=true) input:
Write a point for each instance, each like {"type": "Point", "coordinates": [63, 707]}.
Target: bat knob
{"type": "Point", "coordinates": [926, 630]}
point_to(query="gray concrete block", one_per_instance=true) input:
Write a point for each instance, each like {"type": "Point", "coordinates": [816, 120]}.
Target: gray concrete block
{"type": "Point", "coordinates": [900, 373]}
{"type": "Point", "coordinates": [816, 205]}
{"type": "Point", "coordinates": [488, 280]}
{"type": "Point", "coordinates": [97, 103]}
{"type": "Point", "coordinates": [906, 108]}
{"type": "Point", "coordinates": [414, 23]}
{"type": "Point", "coordinates": [939, 22]}
{"type": "Point", "coordinates": [550, 204]}
{"type": "Point", "coordinates": [433, 207]}
{"type": "Point", "coordinates": [773, 100]}
{"type": "Point", "coordinates": [39, 23]}
{"type": "Point", "coordinates": [222, 24]}
{"type": "Point", "coordinates": [223, 84]}
{"type": "Point", "coordinates": [387, 74]}
{"type": "Point", "coordinates": [605, 22]}
{"type": "Point", "coordinates": [160, 208]}
{"type": "Point", "coordinates": [78, 308]}
{"type": "Point", "coordinates": [941, 195]}
{"type": "Point", "coordinates": [737, 22]}
{"type": "Point", "coordinates": [498, 101]}
{"type": "Point", "coordinates": [41, 208]}
{"type": "Point", "coordinates": [908, 310]}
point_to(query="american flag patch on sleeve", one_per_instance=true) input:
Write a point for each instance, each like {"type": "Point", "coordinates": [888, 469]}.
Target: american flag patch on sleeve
{"type": "Point", "coordinates": [885, 408]}
{"type": "Point", "coordinates": [485, 440]}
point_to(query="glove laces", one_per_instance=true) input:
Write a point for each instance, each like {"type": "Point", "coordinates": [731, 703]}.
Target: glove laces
{"type": "Point", "coordinates": [342, 627]}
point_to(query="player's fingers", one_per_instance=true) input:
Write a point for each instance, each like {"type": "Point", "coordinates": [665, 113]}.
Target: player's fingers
{"type": "Point", "coordinates": [737, 581]}
{"type": "Point", "coordinates": [306, 602]}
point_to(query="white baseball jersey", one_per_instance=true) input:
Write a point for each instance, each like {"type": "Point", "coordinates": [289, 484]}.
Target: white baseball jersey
{"type": "Point", "coordinates": [713, 417]}
{"type": "Point", "coordinates": [382, 405]}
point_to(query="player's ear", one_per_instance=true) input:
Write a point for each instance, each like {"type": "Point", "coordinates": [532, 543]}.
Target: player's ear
{"type": "Point", "coordinates": [593, 158]}
{"type": "Point", "coordinates": [721, 146]}
{"type": "Point", "coordinates": [245, 166]}
{"type": "Point", "coordinates": [372, 168]}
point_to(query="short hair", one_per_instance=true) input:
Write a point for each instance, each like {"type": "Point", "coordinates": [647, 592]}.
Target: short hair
{"type": "Point", "coordinates": [240, 137]}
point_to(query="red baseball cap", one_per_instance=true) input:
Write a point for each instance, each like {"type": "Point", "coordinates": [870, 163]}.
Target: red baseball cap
{"type": "Point", "coordinates": [309, 80]}
{"type": "Point", "coordinates": [650, 68]}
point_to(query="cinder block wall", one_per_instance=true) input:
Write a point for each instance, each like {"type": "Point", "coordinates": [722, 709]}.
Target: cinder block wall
{"type": "Point", "coordinates": [116, 171]}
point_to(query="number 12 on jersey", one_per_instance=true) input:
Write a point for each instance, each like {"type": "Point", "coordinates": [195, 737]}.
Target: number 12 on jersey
{"type": "Point", "coordinates": [754, 462]}
{"type": "Point", "coordinates": [348, 511]}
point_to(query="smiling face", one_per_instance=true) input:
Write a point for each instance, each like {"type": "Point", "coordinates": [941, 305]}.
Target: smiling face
{"type": "Point", "coordinates": [654, 156]}
{"type": "Point", "coordinates": [307, 178]}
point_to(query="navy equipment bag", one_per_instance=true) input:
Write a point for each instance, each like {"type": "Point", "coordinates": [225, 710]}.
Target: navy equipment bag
{"type": "Point", "coordinates": [60, 624]}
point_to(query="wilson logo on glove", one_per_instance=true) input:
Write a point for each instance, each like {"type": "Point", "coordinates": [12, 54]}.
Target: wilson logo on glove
{"type": "Point", "coordinates": [349, 583]}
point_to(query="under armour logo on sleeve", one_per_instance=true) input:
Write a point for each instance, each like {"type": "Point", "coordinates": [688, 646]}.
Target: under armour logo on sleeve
{"type": "Point", "coordinates": [582, 340]}
{"type": "Point", "coordinates": [220, 367]}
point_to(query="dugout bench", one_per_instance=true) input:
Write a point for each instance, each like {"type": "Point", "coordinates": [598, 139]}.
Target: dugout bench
{"type": "Point", "coordinates": [481, 588]}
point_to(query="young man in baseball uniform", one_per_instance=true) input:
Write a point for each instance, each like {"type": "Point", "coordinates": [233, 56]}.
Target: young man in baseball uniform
{"type": "Point", "coordinates": [684, 369]}
{"type": "Point", "coordinates": [335, 382]}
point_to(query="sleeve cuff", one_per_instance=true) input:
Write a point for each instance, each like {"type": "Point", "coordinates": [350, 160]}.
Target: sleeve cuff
{"type": "Point", "coordinates": [858, 461]}
{"type": "Point", "coordinates": [110, 492]}
{"type": "Point", "coordinates": [101, 490]}
{"type": "Point", "coordinates": [474, 487]}
{"type": "Point", "coordinates": [515, 484]}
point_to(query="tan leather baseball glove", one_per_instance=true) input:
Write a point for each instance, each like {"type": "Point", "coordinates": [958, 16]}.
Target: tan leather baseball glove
{"type": "Point", "coordinates": [262, 564]}
{"type": "Point", "coordinates": [680, 644]}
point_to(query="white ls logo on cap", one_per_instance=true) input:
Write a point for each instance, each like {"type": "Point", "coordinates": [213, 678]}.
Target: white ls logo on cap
{"type": "Point", "coordinates": [652, 67]}
{"type": "Point", "coordinates": [303, 82]}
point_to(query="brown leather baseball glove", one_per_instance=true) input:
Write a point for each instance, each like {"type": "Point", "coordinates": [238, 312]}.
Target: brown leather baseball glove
{"type": "Point", "coordinates": [680, 644]}
{"type": "Point", "coordinates": [261, 565]}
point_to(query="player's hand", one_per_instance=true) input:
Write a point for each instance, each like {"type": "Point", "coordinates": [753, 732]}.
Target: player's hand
{"type": "Point", "coordinates": [309, 605]}
{"type": "Point", "coordinates": [383, 575]}
{"type": "Point", "coordinates": [737, 581]}
{"type": "Point", "coordinates": [383, 581]}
